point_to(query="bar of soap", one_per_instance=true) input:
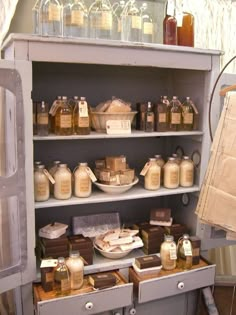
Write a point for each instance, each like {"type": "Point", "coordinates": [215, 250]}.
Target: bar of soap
{"type": "Point", "coordinates": [160, 214]}
{"type": "Point", "coordinates": [102, 280]}
{"type": "Point", "coordinates": [147, 261]}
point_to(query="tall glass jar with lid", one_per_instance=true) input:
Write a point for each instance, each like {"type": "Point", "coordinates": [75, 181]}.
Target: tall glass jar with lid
{"type": "Point", "coordinates": [100, 19]}
{"type": "Point", "coordinates": [63, 120]}
{"type": "Point", "coordinates": [186, 172]}
{"type": "Point", "coordinates": [160, 161]}
{"type": "Point", "coordinates": [168, 253]}
{"type": "Point", "coordinates": [51, 17]}
{"type": "Point", "coordinates": [63, 182]}
{"type": "Point", "coordinates": [76, 270]}
{"type": "Point", "coordinates": [131, 29]}
{"type": "Point", "coordinates": [82, 181]}
{"type": "Point", "coordinates": [41, 184]}
{"type": "Point", "coordinates": [117, 9]}
{"type": "Point", "coordinates": [152, 177]}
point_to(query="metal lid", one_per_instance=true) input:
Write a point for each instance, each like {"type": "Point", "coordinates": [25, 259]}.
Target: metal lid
{"type": "Point", "coordinates": [74, 254]}
{"type": "Point", "coordinates": [62, 165]}
{"type": "Point", "coordinates": [61, 260]}
{"type": "Point", "coordinates": [169, 237]}
{"type": "Point", "coordinates": [83, 164]}
{"type": "Point", "coordinates": [152, 159]}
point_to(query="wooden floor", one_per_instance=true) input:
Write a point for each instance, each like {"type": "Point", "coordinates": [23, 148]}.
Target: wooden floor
{"type": "Point", "coordinates": [225, 300]}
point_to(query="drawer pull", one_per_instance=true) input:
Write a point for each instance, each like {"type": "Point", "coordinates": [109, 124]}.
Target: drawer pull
{"type": "Point", "coordinates": [132, 311]}
{"type": "Point", "coordinates": [89, 305]}
{"type": "Point", "coordinates": [180, 285]}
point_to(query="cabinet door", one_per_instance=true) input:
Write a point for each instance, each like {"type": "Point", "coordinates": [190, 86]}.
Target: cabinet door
{"type": "Point", "coordinates": [17, 264]}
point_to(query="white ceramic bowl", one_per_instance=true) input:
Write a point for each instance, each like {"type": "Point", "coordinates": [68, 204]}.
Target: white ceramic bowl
{"type": "Point", "coordinates": [111, 189]}
{"type": "Point", "coordinates": [112, 255]}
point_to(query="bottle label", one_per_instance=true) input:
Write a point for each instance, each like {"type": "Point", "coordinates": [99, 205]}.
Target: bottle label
{"type": "Point", "coordinates": [145, 169]}
{"type": "Point", "coordinates": [189, 176]}
{"type": "Point", "coordinates": [155, 179]}
{"type": "Point", "coordinates": [91, 174]}
{"type": "Point", "coordinates": [65, 187]}
{"type": "Point", "coordinates": [77, 277]}
{"type": "Point", "coordinates": [42, 119]}
{"type": "Point", "coordinates": [83, 109]}
{"type": "Point", "coordinates": [175, 118]}
{"type": "Point", "coordinates": [77, 17]}
{"type": "Point", "coordinates": [136, 22]}
{"type": "Point", "coordinates": [67, 20]}
{"type": "Point", "coordinates": [172, 252]}
{"type": "Point", "coordinates": [162, 118]}
{"type": "Point", "coordinates": [54, 13]}
{"type": "Point", "coordinates": [41, 189]}
{"type": "Point", "coordinates": [119, 26]}
{"type": "Point", "coordinates": [187, 248]}
{"type": "Point", "coordinates": [65, 121]}
{"type": "Point", "coordinates": [188, 118]}
{"type": "Point", "coordinates": [106, 21]}
{"type": "Point", "coordinates": [84, 184]}
{"type": "Point", "coordinates": [83, 122]}
{"type": "Point", "coordinates": [147, 28]}
{"type": "Point", "coordinates": [65, 285]}
{"type": "Point", "coordinates": [174, 178]}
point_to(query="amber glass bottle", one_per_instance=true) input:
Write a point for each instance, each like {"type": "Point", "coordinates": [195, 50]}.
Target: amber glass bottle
{"type": "Point", "coordinates": [186, 28]}
{"type": "Point", "coordinates": [63, 121]}
{"type": "Point", "coordinates": [81, 117]}
{"type": "Point", "coordinates": [170, 25]}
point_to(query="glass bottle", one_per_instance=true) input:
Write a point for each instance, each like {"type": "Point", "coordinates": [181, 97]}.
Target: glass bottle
{"type": "Point", "coordinates": [36, 22]}
{"type": "Point", "coordinates": [161, 163]}
{"type": "Point", "coordinates": [100, 19]}
{"type": "Point", "coordinates": [75, 266]}
{"type": "Point", "coordinates": [185, 27]}
{"type": "Point", "coordinates": [51, 18]}
{"type": "Point", "coordinates": [152, 177]}
{"type": "Point", "coordinates": [175, 113]}
{"type": "Point", "coordinates": [149, 118]}
{"type": "Point", "coordinates": [42, 119]}
{"type": "Point", "coordinates": [82, 181]}
{"type": "Point", "coordinates": [52, 170]}
{"type": "Point", "coordinates": [52, 114]}
{"type": "Point", "coordinates": [61, 277]}
{"type": "Point", "coordinates": [171, 174]}
{"type": "Point", "coordinates": [168, 253]}
{"type": "Point", "coordinates": [147, 24]}
{"type": "Point", "coordinates": [170, 25]}
{"type": "Point", "coordinates": [161, 114]}
{"type": "Point", "coordinates": [184, 253]}
{"type": "Point", "coordinates": [63, 182]}
{"type": "Point", "coordinates": [81, 117]}
{"type": "Point", "coordinates": [187, 114]}
{"type": "Point", "coordinates": [41, 184]}
{"type": "Point", "coordinates": [186, 172]}
{"type": "Point", "coordinates": [117, 9]}
{"type": "Point", "coordinates": [63, 120]}
{"type": "Point", "coordinates": [131, 29]}
{"type": "Point", "coordinates": [75, 19]}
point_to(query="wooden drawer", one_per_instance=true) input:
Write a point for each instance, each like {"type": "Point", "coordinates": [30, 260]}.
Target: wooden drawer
{"type": "Point", "coordinates": [172, 283]}
{"type": "Point", "coordinates": [84, 301]}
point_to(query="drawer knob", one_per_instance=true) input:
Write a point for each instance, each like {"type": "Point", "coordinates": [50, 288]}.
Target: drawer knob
{"type": "Point", "coordinates": [132, 311]}
{"type": "Point", "coordinates": [180, 285]}
{"type": "Point", "coordinates": [89, 305]}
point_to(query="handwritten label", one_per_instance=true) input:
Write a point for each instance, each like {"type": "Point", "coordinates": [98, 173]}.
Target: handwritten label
{"type": "Point", "coordinates": [118, 127]}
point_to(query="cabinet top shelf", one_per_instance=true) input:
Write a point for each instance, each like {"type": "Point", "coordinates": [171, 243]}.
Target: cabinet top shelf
{"type": "Point", "coordinates": [108, 52]}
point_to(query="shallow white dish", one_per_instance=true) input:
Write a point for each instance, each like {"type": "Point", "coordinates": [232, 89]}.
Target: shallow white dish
{"type": "Point", "coordinates": [111, 189]}
{"type": "Point", "coordinates": [154, 271]}
{"type": "Point", "coordinates": [112, 255]}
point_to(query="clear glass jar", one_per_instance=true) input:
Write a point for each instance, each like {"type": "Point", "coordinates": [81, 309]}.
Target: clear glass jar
{"type": "Point", "coordinates": [161, 163]}
{"type": "Point", "coordinates": [52, 170]}
{"type": "Point", "coordinates": [75, 19]}
{"type": "Point", "coordinates": [175, 114]}
{"type": "Point", "coordinates": [152, 177]}
{"type": "Point", "coordinates": [63, 120]}
{"type": "Point", "coordinates": [131, 29]}
{"type": "Point", "coordinates": [82, 181]}
{"type": "Point", "coordinates": [186, 172]}
{"type": "Point", "coordinates": [63, 182]}
{"type": "Point", "coordinates": [171, 174]}
{"type": "Point", "coordinates": [184, 253]}
{"type": "Point", "coordinates": [147, 24]}
{"type": "Point", "coordinates": [81, 117]}
{"type": "Point", "coordinates": [61, 277]}
{"type": "Point", "coordinates": [51, 18]}
{"type": "Point", "coordinates": [161, 115]}
{"type": "Point", "coordinates": [76, 270]}
{"type": "Point", "coordinates": [168, 253]}
{"type": "Point", "coordinates": [41, 184]}
{"type": "Point", "coordinates": [100, 20]}
{"type": "Point", "coordinates": [36, 20]}
{"type": "Point", "coordinates": [117, 9]}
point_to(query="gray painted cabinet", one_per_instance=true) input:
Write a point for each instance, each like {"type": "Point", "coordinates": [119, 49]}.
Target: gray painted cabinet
{"type": "Point", "coordinates": [135, 72]}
